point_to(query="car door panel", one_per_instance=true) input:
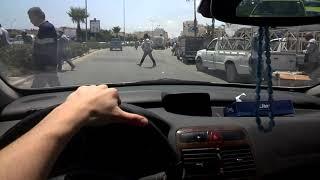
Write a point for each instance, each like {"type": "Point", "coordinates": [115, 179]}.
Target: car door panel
{"type": "Point", "coordinates": [210, 51]}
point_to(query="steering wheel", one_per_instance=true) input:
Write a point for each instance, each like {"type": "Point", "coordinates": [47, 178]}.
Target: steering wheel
{"type": "Point", "coordinates": [174, 171]}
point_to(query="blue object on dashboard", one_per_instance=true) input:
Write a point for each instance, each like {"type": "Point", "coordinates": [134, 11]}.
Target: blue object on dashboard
{"type": "Point", "coordinates": [248, 109]}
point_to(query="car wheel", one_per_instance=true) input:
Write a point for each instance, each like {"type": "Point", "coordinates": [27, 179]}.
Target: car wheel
{"type": "Point", "coordinates": [200, 66]}
{"type": "Point", "coordinates": [231, 73]}
{"type": "Point", "coordinates": [185, 60]}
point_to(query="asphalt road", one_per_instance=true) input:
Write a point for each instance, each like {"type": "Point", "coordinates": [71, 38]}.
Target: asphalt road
{"type": "Point", "coordinates": [105, 66]}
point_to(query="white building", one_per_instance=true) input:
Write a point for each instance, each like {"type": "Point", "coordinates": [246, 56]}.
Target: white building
{"type": "Point", "coordinates": [156, 32]}
{"type": "Point", "coordinates": [188, 29]}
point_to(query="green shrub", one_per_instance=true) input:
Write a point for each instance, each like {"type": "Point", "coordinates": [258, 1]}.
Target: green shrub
{"type": "Point", "coordinates": [77, 49]}
{"type": "Point", "coordinates": [97, 45]}
{"type": "Point", "coordinates": [16, 60]}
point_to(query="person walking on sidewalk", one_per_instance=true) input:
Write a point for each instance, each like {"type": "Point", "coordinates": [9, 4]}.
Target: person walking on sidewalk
{"type": "Point", "coordinates": [44, 51]}
{"type": "Point", "coordinates": [147, 50]}
{"type": "Point", "coordinates": [63, 49]}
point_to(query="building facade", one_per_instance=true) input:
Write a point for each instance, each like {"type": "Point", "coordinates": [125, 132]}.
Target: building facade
{"type": "Point", "coordinates": [188, 29]}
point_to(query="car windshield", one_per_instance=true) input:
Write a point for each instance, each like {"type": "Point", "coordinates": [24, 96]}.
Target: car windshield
{"type": "Point", "coordinates": [47, 44]}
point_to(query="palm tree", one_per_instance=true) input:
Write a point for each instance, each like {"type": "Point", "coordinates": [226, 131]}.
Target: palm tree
{"type": "Point", "coordinates": [116, 30]}
{"type": "Point", "coordinates": [78, 15]}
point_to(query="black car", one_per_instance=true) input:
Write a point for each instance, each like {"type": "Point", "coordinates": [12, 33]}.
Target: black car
{"type": "Point", "coordinates": [115, 43]}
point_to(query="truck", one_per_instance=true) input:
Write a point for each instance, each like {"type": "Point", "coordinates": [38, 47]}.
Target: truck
{"type": "Point", "coordinates": [233, 56]}
{"type": "Point", "coordinates": [188, 47]}
{"type": "Point", "coordinates": [159, 42]}
{"type": "Point", "coordinates": [281, 52]}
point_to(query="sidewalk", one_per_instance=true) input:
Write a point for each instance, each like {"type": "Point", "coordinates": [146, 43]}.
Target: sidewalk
{"type": "Point", "coordinates": [18, 81]}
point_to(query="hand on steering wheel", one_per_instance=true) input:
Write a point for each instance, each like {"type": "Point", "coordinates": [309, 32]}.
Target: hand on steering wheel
{"type": "Point", "coordinates": [99, 102]}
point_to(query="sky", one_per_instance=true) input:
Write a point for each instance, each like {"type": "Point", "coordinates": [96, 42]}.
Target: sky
{"type": "Point", "coordinates": [141, 15]}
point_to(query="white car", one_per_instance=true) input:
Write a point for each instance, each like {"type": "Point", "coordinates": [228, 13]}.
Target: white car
{"type": "Point", "coordinates": [19, 40]}
{"type": "Point", "coordinates": [233, 55]}
{"type": "Point", "coordinates": [230, 55]}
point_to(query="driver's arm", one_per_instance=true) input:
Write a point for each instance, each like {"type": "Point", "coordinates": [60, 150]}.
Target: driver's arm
{"type": "Point", "coordinates": [33, 155]}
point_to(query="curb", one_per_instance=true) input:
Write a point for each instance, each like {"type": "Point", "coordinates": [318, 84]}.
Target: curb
{"type": "Point", "coordinates": [21, 81]}
{"type": "Point", "coordinates": [86, 54]}
{"type": "Point", "coordinates": [28, 78]}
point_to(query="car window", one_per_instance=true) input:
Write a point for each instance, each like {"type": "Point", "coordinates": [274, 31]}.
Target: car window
{"type": "Point", "coordinates": [48, 44]}
{"type": "Point", "coordinates": [212, 46]}
{"type": "Point", "coordinates": [274, 45]}
{"type": "Point", "coordinates": [235, 44]}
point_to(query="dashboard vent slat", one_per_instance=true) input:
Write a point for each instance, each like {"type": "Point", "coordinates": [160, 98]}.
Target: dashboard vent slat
{"type": "Point", "coordinates": [238, 162]}
{"type": "Point", "coordinates": [198, 162]}
{"type": "Point", "coordinates": [233, 162]}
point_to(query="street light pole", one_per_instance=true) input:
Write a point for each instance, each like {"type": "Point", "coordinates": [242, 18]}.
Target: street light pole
{"type": "Point", "coordinates": [213, 26]}
{"type": "Point", "coordinates": [195, 24]}
{"type": "Point", "coordinates": [152, 28]}
{"type": "Point", "coordinates": [86, 21]}
{"type": "Point", "coordinates": [124, 21]}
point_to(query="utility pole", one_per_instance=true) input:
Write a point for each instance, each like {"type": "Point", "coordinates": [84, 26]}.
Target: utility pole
{"type": "Point", "coordinates": [124, 21]}
{"type": "Point", "coordinates": [86, 21]}
{"type": "Point", "coordinates": [213, 27]}
{"type": "Point", "coordinates": [195, 24]}
{"type": "Point", "coordinates": [152, 24]}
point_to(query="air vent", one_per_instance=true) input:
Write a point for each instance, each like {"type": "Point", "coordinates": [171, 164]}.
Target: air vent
{"type": "Point", "coordinates": [201, 162]}
{"type": "Point", "coordinates": [238, 162]}
{"type": "Point", "coordinates": [232, 162]}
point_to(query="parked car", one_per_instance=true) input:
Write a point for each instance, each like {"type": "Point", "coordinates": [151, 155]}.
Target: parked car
{"type": "Point", "coordinates": [115, 44]}
{"type": "Point", "coordinates": [19, 39]}
{"type": "Point", "coordinates": [280, 54]}
{"type": "Point", "coordinates": [233, 56]}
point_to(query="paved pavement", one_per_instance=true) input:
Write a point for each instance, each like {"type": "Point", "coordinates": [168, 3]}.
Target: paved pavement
{"type": "Point", "coordinates": [105, 66]}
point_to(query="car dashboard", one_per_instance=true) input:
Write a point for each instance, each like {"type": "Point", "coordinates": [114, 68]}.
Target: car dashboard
{"type": "Point", "coordinates": [209, 146]}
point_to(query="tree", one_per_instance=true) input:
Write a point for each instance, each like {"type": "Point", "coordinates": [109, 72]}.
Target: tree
{"type": "Point", "coordinates": [116, 30]}
{"type": "Point", "coordinates": [78, 15]}
{"type": "Point", "coordinates": [104, 36]}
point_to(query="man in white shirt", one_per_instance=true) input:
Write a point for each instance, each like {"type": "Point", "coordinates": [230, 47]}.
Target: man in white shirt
{"type": "Point", "coordinates": [147, 50]}
{"type": "Point", "coordinates": [63, 51]}
{"type": "Point", "coordinates": [4, 37]}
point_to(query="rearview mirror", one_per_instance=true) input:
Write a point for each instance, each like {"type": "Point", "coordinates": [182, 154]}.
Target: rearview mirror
{"type": "Point", "coordinates": [263, 12]}
{"type": "Point", "coordinates": [277, 8]}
